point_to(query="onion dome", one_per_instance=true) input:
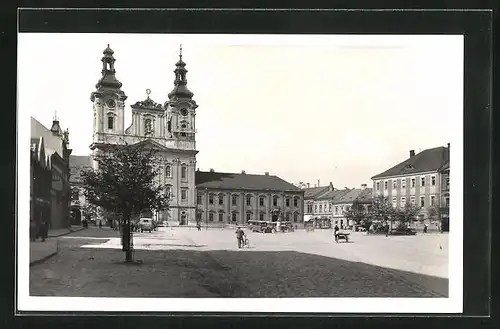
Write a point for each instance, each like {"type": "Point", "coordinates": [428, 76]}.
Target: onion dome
{"type": "Point", "coordinates": [108, 83]}
{"type": "Point", "coordinates": [180, 83]}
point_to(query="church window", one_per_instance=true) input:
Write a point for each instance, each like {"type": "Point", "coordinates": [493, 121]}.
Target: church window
{"type": "Point", "coordinates": [110, 122]}
{"type": "Point", "coordinates": [168, 171]}
{"type": "Point", "coordinates": [183, 172]}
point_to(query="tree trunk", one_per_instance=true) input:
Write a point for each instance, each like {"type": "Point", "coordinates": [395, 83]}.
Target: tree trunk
{"type": "Point", "coordinates": [126, 245]}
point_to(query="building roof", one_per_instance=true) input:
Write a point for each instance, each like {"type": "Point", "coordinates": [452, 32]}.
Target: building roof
{"type": "Point", "coordinates": [314, 192]}
{"type": "Point", "coordinates": [53, 144]}
{"type": "Point", "coordinates": [333, 195]}
{"type": "Point", "coordinates": [231, 181]}
{"type": "Point", "coordinates": [366, 195]}
{"type": "Point", "coordinates": [76, 163]}
{"type": "Point", "coordinates": [79, 161]}
{"type": "Point", "coordinates": [428, 160]}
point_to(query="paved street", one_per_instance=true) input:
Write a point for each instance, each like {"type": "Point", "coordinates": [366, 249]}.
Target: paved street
{"type": "Point", "coordinates": [188, 263]}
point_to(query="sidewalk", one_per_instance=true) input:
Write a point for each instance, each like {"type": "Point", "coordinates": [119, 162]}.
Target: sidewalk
{"type": "Point", "coordinates": [63, 231]}
{"type": "Point", "coordinates": [40, 251]}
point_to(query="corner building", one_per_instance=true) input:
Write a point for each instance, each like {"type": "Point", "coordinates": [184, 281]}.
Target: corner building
{"type": "Point", "coordinates": [168, 128]}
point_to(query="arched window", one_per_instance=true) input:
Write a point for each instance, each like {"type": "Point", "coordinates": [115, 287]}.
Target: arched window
{"type": "Point", "coordinates": [234, 216]}
{"type": "Point", "coordinates": [168, 190]}
{"type": "Point", "coordinates": [275, 200]}
{"type": "Point", "coordinates": [221, 198]}
{"type": "Point", "coordinates": [111, 121]}
{"type": "Point", "coordinates": [261, 216]}
{"type": "Point", "coordinates": [249, 216]}
{"type": "Point", "coordinates": [295, 217]}
{"type": "Point", "coordinates": [249, 199]}
{"type": "Point", "coordinates": [262, 200]}
{"type": "Point", "coordinates": [287, 217]}
{"type": "Point", "coordinates": [287, 202]}
{"type": "Point", "coordinates": [183, 172]}
{"type": "Point", "coordinates": [168, 171]}
{"type": "Point", "coordinates": [211, 199]}
{"type": "Point", "coordinates": [296, 201]}
{"type": "Point", "coordinates": [234, 199]}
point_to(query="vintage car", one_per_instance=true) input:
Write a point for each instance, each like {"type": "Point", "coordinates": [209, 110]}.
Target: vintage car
{"type": "Point", "coordinates": [145, 224]}
{"type": "Point", "coordinates": [261, 226]}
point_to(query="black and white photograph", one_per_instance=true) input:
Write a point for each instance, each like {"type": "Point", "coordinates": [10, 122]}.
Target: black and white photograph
{"type": "Point", "coordinates": [240, 173]}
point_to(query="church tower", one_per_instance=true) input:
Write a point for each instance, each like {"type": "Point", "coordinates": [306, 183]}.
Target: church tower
{"type": "Point", "coordinates": [109, 104]}
{"type": "Point", "coordinates": [180, 109]}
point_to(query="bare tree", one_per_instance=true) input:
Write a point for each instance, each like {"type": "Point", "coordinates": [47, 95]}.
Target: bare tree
{"type": "Point", "coordinates": [125, 183]}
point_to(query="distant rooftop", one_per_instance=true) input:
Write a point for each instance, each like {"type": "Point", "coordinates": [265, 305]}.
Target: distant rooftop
{"type": "Point", "coordinates": [241, 181]}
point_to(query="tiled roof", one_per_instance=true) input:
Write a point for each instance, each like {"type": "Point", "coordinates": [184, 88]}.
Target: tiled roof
{"type": "Point", "coordinates": [52, 143]}
{"type": "Point", "coordinates": [366, 196]}
{"type": "Point", "coordinates": [313, 192]}
{"type": "Point", "coordinates": [79, 161]}
{"type": "Point", "coordinates": [76, 163]}
{"type": "Point", "coordinates": [333, 195]}
{"type": "Point", "coordinates": [428, 160]}
{"type": "Point", "coordinates": [217, 180]}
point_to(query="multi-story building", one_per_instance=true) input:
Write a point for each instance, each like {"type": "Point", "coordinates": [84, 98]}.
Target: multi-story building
{"type": "Point", "coordinates": [169, 129]}
{"type": "Point", "coordinates": [50, 155]}
{"type": "Point", "coordinates": [323, 207]}
{"type": "Point", "coordinates": [422, 180]}
{"type": "Point", "coordinates": [344, 203]}
{"type": "Point", "coordinates": [310, 195]}
{"type": "Point", "coordinates": [229, 198]}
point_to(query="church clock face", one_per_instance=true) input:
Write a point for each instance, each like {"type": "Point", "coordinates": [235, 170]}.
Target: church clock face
{"type": "Point", "coordinates": [184, 112]}
{"type": "Point", "coordinates": [111, 103]}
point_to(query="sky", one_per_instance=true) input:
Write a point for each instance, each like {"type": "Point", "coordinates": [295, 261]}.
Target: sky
{"type": "Point", "coordinates": [333, 108]}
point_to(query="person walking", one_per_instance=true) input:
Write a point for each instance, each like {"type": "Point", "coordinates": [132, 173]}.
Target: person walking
{"type": "Point", "coordinates": [239, 236]}
{"type": "Point", "coordinates": [100, 224]}
{"type": "Point", "coordinates": [425, 228]}
{"type": "Point", "coordinates": [198, 226]}
{"type": "Point", "coordinates": [44, 230]}
{"type": "Point", "coordinates": [32, 230]}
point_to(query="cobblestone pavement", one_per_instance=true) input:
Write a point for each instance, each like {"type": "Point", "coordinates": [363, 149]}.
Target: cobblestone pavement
{"type": "Point", "coordinates": [188, 263]}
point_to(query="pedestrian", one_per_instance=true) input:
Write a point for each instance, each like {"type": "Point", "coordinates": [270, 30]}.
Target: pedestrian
{"type": "Point", "coordinates": [44, 230]}
{"type": "Point", "coordinates": [33, 230]}
{"type": "Point", "coordinates": [425, 228]}
{"type": "Point", "coordinates": [198, 226]}
{"type": "Point", "coordinates": [335, 231]}
{"type": "Point", "coordinates": [100, 224]}
{"type": "Point", "coordinates": [239, 236]}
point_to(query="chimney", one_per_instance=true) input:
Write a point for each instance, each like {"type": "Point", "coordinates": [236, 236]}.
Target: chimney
{"type": "Point", "coordinates": [267, 173]}
{"type": "Point", "coordinates": [412, 153]}
{"type": "Point", "coordinates": [308, 185]}
{"type": "Point", "coordinates": [243, 172]}
{"type": "Point", "coordinates": [318, 183]}
{"type": "Point", "coordinates": [212, 170]}
{"type": "Point", "coordinates": [330, 188]}
{"type": "Point", "coordinates": [448, 145]}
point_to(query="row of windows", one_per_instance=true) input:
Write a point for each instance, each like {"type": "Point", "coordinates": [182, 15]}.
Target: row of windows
{"type": "Point", "coordinates": [402, 184]}
{"type": "Point", "coordinates": [249, 216]}
{"type": "Point", "coordinates": [168, 172]}
{"type": "Point", "coordinates": [234, 200]}
{"type": "Point", "coordinates": [402, 202]}
{"type": "Point", "coordinates": [337, 209]}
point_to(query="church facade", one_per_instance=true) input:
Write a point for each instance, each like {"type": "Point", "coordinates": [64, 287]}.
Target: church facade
{"type": "Point", "coordinates": [169, 128]}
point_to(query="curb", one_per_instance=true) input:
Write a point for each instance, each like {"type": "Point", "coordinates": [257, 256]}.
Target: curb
{"type": "Point", "coordinates": [43, 259]}
{"type": "Point", "coordinates": [69, 232]}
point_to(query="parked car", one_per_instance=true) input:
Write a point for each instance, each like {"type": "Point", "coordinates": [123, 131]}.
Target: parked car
{"type": "Point", "coordinates": [146, 224]}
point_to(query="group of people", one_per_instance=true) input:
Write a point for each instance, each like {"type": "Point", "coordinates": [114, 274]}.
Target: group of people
{"type": "Point", "coordinates": [39, 231]}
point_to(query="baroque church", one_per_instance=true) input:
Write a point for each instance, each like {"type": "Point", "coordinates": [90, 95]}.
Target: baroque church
{"type": "Point", "coordinates": [169, 128]}
{"type": "Point", "coordinates": [213, 198]}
